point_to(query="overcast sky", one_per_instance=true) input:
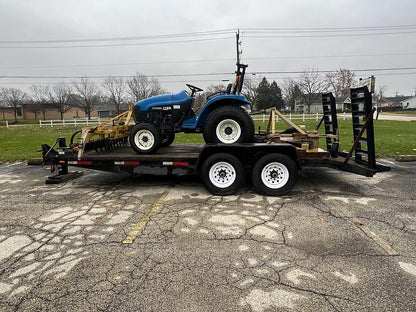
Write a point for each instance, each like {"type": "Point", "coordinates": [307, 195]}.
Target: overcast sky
{"type": "Point", "coordinates": [314, 40]}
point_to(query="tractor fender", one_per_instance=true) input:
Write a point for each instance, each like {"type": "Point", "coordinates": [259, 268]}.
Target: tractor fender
{"type": "Point", "coordinates": [218, 101]}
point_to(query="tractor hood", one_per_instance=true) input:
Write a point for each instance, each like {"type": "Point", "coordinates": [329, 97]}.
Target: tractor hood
{"type": "Point", "coordinates": [165, 99]}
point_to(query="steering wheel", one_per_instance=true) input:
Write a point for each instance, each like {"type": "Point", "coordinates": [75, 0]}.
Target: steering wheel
{"type": "Point", "coordinates": [193, 89]}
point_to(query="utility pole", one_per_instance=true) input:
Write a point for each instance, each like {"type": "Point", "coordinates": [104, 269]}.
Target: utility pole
{"type": "Point", "coordinates": [237, 36]}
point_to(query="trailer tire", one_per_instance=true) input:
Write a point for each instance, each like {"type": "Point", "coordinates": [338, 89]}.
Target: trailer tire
{"type": "Point", "coordinates": [229, 124]}
{"type": "Point", "coordinates": [167, 139]}
{"type": "Point", "coordinates": [274, 174]}
{"type": "Point", "coordinates": [222, 174]}
{"type": "Point", "coordinates": [145, 138]}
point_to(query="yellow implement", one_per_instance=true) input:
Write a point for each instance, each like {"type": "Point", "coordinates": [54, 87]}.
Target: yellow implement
{"type": "Point", "coordinates": [105, 136]}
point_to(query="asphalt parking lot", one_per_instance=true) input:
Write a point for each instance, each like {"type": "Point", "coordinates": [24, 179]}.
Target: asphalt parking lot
{"type": "Point", "coordinates": [114, 242]}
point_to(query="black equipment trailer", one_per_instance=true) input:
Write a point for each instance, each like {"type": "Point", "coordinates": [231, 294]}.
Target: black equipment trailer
{"type": "Point", "coordinates": [273, 167]}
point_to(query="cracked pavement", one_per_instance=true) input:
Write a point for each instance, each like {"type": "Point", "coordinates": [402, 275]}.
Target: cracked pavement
{"type": "Point", "coordinates": [339, 242]}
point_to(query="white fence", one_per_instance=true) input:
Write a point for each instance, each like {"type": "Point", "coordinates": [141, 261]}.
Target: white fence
{"type": "Point", "coordinates": [70, 122]}
{"type": "Point", "coordinates": [258, 117]}
{"type": "Point", "coordinates": [303, 117]}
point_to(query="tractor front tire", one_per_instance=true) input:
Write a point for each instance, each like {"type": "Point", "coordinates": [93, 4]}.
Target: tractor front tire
{"type": "Point", "coordinates": [229, 124]}
{"type": "Point", "coordinates": [145, 138]}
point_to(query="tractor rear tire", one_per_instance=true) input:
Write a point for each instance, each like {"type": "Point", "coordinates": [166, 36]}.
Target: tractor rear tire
{"type": "Point", "coordinates": [167, 139]}
{"type": "Point", "coordinates": [145, 138]}
{"type": "Point", "coordinates": [229, 124]}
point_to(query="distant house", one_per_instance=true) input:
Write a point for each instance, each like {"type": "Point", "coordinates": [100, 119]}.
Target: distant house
{"type": "Point", "coordinates": [342, 104]}
{"type": "Point", "coordinates": [49, 111]}
{"type": "Point", "coordinates": [7, 113]}
{"type": "Point", "coordinates": [107, 109]}
{"type": "Point", "coordinates": [409, 103]}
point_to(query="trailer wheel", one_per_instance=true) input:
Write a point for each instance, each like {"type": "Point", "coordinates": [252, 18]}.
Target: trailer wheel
{"type": "Point", "coordinates": [167, 139]}
{"type": "Point", "coordinates": [145, 138]}
{"type": "Point", "coordinates": [274, 174]}
{"type": "Point", "coordinates": [222, 174]}
{"type": "Point", "coordinates": [229, 124]}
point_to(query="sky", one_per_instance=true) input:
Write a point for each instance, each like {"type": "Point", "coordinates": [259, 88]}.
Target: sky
{"type": "Point", "coordinates": [178, 42]}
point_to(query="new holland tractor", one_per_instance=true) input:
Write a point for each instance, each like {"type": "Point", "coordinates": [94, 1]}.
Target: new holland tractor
{"type": "Point", "coordinates": [223, 118]}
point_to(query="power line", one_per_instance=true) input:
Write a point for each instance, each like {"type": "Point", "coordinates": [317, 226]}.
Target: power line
{"type": "Point", "coordinates": [208, 60]}
{"type": "Point", "coordinates": [122, 64]}
{"type": "Point", "coordinates": [115, 45]}
{"type": "Point", "coordinates": [213, 32]}
{"type": "Point", "coordinates": [185, 81]}
{"type": "Point", "coordinates": [330, 35]}
{"type": "Point", "coordinates": [204, 74]}
{"type": "Point", "coordinates": [147, 37]}
{"type": "Point", "coordinates": [332, 28]}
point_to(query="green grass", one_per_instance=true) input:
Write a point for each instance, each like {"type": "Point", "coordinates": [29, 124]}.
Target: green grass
{"type": "Point", "coordinates": [22, 142]}
{"type": "Point", "coordinates": [392, 137]}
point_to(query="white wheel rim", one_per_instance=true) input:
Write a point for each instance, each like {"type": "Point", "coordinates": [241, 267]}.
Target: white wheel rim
{"type": "Point", "coordinates": [228, 131]}
{"type": "Point", "coordinates": [144, 139]}
{"type": "Point", "coordinates": [275, 175]}
{"type": "Point", "coordinates": [222, 174]}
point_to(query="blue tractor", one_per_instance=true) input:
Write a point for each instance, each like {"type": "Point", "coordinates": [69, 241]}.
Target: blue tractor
{"type": "Point", "coordinates": [223, 118]}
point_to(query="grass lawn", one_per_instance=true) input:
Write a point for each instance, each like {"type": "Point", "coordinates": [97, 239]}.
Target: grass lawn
{"type": "Point", "coordinates": [392, 137]}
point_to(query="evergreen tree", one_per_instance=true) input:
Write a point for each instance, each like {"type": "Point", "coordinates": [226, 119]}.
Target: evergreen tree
{"type": "Point", "coordinates": [263, 94]}
{"type": "Point", "coordinates": [276, 96]}
{"type": "Point", "coordinates": [269, 95]}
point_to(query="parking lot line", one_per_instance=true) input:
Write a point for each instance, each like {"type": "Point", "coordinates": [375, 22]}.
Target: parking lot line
{"type": "Point", "coordinates": [139, 226]}
{"type": "Point", "coordinates": [381, 242]}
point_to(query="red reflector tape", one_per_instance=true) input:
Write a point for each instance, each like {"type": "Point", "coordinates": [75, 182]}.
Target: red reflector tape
{"type": "Point", "coordinates": [132, 163]}
{"type": "Point", "coordinates": [84, 162]}
{"type": "Point", "coordinates": [180, 163]}
{"type": "Point", "coordinates": [127, 163]}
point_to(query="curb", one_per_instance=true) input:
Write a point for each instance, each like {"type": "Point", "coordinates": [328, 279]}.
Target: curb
{"type": "Point", "coordinates": [35, 161]}
{"type": "Point", "coordinates": [405, 158]}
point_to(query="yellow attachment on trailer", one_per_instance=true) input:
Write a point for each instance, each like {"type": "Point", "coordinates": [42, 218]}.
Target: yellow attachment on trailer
{"type": "Point", "coordinates": [107, 134]}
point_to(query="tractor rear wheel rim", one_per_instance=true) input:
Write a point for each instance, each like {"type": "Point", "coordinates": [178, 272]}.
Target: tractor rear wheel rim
{"type": "Point", "coordinates": [222, 174]}
{"type": "Point", "coordinates": [144, 139]}
{"type": "Point", "coordinates": [228, 131]}
{"type": "Point", "coordinates": [275, 175]}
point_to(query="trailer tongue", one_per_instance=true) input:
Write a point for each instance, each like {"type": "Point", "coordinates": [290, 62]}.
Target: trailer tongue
{"type": "Point", "coordinates": [273, 163]}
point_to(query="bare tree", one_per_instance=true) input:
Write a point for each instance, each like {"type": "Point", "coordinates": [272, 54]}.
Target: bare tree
{"type": "Point", "coordinates": [13, 98]}
{"type": "Point", "coordinates": [250, 90]}
{"type": "Point", "coordinates": [341, 81]}
{"type": "Point", "coordinates": [40, 97]}
{"type": "Point", "coordinates": [379, 94]}
{"type": "Point", "coordinates": [60, 95]}
{"type": "Point", "coordinates": [142, 87]}
{"type": "Point", "coordinates": [115, 89]}
{"type": "Point", "coordinates": [215, 89]}
{"type": "Point", "coordinates": [312, 85]}
{"type": "Point", "coordinates": [292, 93]}
{"type": "Point", "coordinates": [87, 95]}
{"type": "Point", "coordinates": [200, 98]}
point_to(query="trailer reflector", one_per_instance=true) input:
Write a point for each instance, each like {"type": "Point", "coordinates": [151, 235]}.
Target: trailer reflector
{"type": "Point", "coordinates": [127, 163]}
{"type": "Point", "coordinates": [80, 162]}
{"type": "Point", "coordinates": [84, 162]}
{"type": "Point", "coordinates": [175, 163]}
{"type": "Point", "coordinates": [180, 163]}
